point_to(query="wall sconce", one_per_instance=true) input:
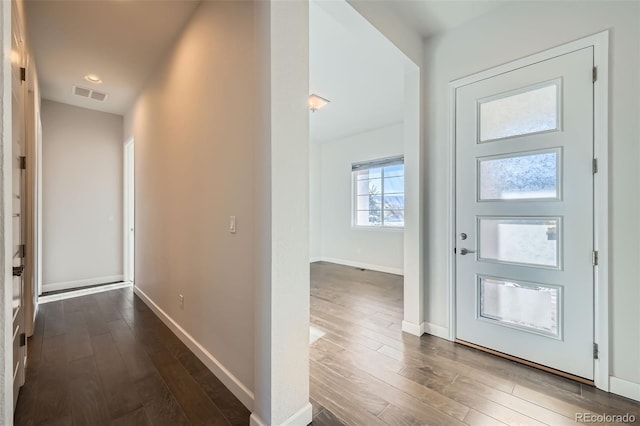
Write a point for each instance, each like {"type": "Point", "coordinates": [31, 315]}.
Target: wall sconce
{"type": "Point", "coordinates": [316, 102]}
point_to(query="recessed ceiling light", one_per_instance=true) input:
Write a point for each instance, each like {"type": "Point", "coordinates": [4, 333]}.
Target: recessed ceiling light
{"type": "Point", "coordinates": [92, 78]}
{"type": "Point", "coordinates": [316, 102]}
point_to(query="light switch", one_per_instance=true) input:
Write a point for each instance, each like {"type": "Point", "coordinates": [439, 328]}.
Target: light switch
{"type": "Point", "coordinates": [232, 224]}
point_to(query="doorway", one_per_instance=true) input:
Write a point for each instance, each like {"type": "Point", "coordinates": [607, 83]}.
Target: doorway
{"type": "Point", "coordinates": [18, 198]}
{"type": "Point", "coordinates": [129, 211]}
{"type": "Point", "coordinates": [525, 264]}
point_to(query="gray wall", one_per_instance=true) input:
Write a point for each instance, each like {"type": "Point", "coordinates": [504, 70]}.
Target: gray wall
{"type": "Point", "coordinates": [509, 33]}
{"type": "Point", "coordinates": [81, 195]}
{"type": "Point", "coordinates": [196, 133]}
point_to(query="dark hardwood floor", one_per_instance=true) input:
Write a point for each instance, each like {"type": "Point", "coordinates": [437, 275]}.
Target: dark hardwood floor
{"type": "Point", "coordinates": [106, 359]}
{"type": "Point", "coordinates": [367, 372]}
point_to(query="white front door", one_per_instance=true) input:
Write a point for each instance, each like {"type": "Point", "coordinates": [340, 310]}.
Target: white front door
{"type": "Point", "coordinates": [524, 213]}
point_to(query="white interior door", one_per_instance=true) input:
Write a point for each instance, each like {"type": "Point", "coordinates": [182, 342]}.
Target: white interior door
{"type": "Point", "coordinates": [18, 208]}
{"type": "Point", "coordinates": [524, 213]}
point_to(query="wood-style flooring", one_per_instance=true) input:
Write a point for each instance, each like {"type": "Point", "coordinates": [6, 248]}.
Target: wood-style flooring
{"type": "Point", "coordinates": [106, 359]}
{"type": "Point", "coordinates": [367, 372]}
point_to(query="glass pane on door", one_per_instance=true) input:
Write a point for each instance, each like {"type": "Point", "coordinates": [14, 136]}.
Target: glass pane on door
{"type": "Point", "coordinates": [529, 241]}
{"type": "Point", "coordinates": [519, 177]}
{"type": "Point", "coordinates": [528, 306]}
{"type": "Point", "coordinates": [532, 110]}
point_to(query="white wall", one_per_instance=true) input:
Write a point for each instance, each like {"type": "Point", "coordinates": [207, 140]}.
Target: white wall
{"type": "Point", "coordinates": [393, 28]}
{"type": "Point", "coordinates": [215, 130]}
{"type": "Point", "coordinates": [508, 33]}
{"type": "Point", "coordinates": [315, 202]}
{"type": "Point", "coordinates": [331, 193]}
{"type": "Point", "coordinates": [6, 291]}
{"type": "Point", "coordinates": [82, 196]}
{"type": "Point", "coordinates": [282, 295]}
{"type": "Point", "coordinates": [194, 149]}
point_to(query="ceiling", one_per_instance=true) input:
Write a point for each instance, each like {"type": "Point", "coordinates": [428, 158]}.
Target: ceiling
{"type": "Point", "coordinates": [356, 68]}
{"type": "Point", "coordinates": [119, 40]}
{"type": "Point", "coordinates": [351, 63]}
{"type": "Point", "coordinates": [359, 70]}
{"type": "Point", "coordinates": [430, 17]}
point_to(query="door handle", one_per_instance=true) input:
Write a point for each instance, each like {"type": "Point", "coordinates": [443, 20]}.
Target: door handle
{"type": "Point", "coordinates": [464, 251]}
{"type": "Point", "coordinates": [17, 270]}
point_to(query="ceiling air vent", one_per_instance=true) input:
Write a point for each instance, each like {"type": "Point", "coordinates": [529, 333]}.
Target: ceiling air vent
{"type": "Point", "coordinates": [98, 96]}
{"type": "Point", "coordinates": [88, 93]}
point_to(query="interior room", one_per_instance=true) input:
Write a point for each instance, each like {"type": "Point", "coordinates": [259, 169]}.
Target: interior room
{"type": "Point", "coordinates": [319, 212]}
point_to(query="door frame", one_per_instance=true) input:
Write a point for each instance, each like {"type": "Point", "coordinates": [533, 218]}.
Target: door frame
{"type": "Point", "coordinates": [600, 44]}
{"type": "Point", "coordinates": [129, 209]}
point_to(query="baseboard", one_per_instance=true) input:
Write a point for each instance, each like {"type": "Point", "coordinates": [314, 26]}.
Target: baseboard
{"type": "Point", "coordinates": [81, 283]}
{"type": "Point", "coordinates": [220, 371]}
{"type": "Point", "coordinates": [255, 420]}
{"type": "Point", "coordinates": [624, 388]}
{"type": "Point", "coordinates": [36, 310]}
{"type": "Point", "coordinates": [81, 292]}
{"type": "Point", "coordinates": [412, 328]}
{"type": "Point", "coordinates": [436, 330]}
{"type": "Point", "coordinates": [302, 417]}
{"type": "Point", "coordinates": [369, 266]}
{"type": "Point", "coordinates": [315, 259]}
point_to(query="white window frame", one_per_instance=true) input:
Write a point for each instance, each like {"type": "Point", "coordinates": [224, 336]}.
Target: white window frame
{"type": "Point", "coordinates": [377, 163]}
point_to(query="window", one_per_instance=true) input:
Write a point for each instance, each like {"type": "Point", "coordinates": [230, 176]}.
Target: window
{"type": "Point", "coordinates": [379, 193]}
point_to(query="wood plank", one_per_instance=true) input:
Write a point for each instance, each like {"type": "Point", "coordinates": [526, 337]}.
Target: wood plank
{"type": "Point", "coordinates": [400, 398]}
{"type": "Point", "coordinates": [133, 354]}
{"type": "Point", "coordinates": [392, 415]}
{"type": "Point", "coordinates": [52, 401]}
{"type": "Point", "coordinates": [160, 406]}
{"type": "Point", "coordinates": [26, 406]}
{"type": "Point", "coordinates": [513, 402]}
{"type": "Point", "coordinates": [121, 396]}
{"type": "Point", "coordinates": [55, 321]}
{"type": "Point", "coordinates": [135, 418]}
{"type": "Point", "coordinates": [326, 418]}
{"type": "Point", "coordinates": [369, 401]}
{"type": "Point", "coordinates": [476, 418]}
{"type": "Point", "coordinates": [232, 409]}
{"type": "Point", "coordinates": [77, 336]}
{"type": "Point", "coordinates": [194, 402]}
{"type": "Point", "coordinates": [551, 403]}
{"type": "Point", "coordinates": [88, 405]}
{"type": "Point", "coordinates": [341, 406]}
{"type": "Point", "coordinates": [469, 398]}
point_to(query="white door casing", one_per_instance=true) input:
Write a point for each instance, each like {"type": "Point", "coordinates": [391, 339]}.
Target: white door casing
{"type": "Point", "coordinates": [554, 267]}
{"type": "Point", "coordinates": [18, 94]}
{"type": "Point", "coordinates": [129, 211]}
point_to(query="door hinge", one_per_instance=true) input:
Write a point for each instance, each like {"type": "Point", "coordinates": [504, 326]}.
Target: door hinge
{"type": "Point", "coordinates": [23, 339]}
{"type": "Point", "coordinates": [595, 74]}
{"type": "Point", "coordinates": [594, 257]}
{"type": "Point", "coordinates": [23, 74]}
{"type": "Point", "coordinates": [23, 250]}
{"type": "Point", "coordinates": [23, 163]}
{"type": "Point", "coordinates": [595, 351]}
{"type": "Point", "coordinates": [595, 165]}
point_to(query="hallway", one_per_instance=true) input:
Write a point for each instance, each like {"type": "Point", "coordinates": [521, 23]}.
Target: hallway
{"type": "Point", "coordinates": [106, 359]}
